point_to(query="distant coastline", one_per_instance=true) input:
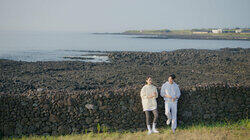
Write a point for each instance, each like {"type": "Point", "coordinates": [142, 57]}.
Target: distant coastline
{"type": "Point", "coordinates": [198, 37]}
{"type": "Point", "coordinates": [199, 34]}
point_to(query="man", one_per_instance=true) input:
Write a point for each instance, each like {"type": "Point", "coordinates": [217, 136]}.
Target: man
{"type": "Point", "coordinates": [170, 92]}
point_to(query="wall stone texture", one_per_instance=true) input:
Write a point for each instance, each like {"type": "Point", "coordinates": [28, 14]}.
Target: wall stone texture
{"type": "Point", "coordinates": [44, 111]}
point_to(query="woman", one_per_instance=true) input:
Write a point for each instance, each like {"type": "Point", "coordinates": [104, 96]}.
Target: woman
{"type": "Point", "coordinates": [148, 95]}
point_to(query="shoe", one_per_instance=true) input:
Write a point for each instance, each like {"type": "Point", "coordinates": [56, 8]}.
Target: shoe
{"type": "Point", "coordinates": [154, 129]}
{"type": "Point", "coordinates": [168, 121]}
{"type": "Point", "coordinates": [173, 131]}
{"type": "Point", "coordinates": [149, 132]}
{"type": "Point", "coordinates": [149, 129]}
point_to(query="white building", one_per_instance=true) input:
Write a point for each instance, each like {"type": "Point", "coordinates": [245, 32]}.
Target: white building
{"type": "Point", "coordinates": [238, 31]}
{"type": "Point", "coordinates": [217, 31]}
{"type": "Point", "coordinates": [200, 32]}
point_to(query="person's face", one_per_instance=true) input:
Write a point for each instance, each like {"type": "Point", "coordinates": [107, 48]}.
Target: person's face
{"type": "Point", "coordinates": [170, 80]}
{"type": "Point", "coordinates": [149, 81]}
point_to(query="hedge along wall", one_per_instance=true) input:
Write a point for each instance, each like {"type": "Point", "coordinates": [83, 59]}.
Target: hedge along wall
{"type": "Point", "coordinates": [53, 112]}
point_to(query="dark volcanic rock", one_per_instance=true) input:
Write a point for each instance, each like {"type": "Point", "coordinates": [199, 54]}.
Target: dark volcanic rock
{"type": "Point", "coordinates": [65, 97]}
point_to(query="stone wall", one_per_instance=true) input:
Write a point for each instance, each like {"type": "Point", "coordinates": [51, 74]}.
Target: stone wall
{"type": "Point", "coordinates": [63, 112]}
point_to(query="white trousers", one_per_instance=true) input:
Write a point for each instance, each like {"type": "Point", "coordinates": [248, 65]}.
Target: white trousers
{"type": "Point", "coordinates": [171, 113]}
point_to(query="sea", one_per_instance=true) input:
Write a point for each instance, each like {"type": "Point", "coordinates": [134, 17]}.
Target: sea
{"type": "Point", "coordinates": [33, 46]}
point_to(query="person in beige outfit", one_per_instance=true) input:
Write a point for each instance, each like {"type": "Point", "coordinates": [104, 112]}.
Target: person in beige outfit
{"type": "Point", "coordinates": [148, 95]}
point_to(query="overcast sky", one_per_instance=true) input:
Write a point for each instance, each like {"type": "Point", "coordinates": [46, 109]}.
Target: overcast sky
{"type": "Point", "coordinates": [120, 15]}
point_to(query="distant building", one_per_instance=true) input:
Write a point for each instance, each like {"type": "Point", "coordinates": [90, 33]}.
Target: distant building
{"type": "Point", "coordinates": [238, 31]}
{"type": "Point", "coordinates": [217, 31]}
{"type": "Point", "coordinates": [200, 32]}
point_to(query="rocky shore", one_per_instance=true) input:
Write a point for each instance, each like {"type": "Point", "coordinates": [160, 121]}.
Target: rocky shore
{"type": "Point", "coordinates": [73, 96]}
{"type": "Point", "coordinates": [125, 69]}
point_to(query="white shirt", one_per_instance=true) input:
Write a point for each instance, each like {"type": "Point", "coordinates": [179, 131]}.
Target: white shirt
{"type": "Point", "coordinates": [170, 89]}
{"type": "Point", "coordinates": [148, 104]}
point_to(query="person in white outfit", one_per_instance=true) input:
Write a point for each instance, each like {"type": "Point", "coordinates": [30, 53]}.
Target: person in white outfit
{"type": "Point", "coordinates": [170, 92]}
{"type": "Point", "coordinates": [148, 95]}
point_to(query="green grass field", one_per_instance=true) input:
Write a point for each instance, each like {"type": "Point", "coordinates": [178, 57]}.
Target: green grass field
{"type": "Point", "coordinates": [184, 32]}
{"type": "Point", "coordinates": [238, 130]}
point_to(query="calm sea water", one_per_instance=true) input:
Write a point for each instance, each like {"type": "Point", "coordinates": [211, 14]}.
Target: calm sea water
{"type": "Point", "coordinates": [53, 46]}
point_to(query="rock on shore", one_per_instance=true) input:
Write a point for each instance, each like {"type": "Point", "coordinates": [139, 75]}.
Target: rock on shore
{"type": "Point", "coordinates": [71, 97]}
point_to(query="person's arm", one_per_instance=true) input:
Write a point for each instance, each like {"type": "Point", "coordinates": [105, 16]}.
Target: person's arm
{"type": "Point", "coordinates": [168, 96]}
{"type": "Point", "coordinates": [143, 93]}
{"type": "Point", "coordinates": [155, 94]}
{"type": "Point", "coordinates": [163, 93]}
{"type": "Point", "coordinates": [151, 95]}
{"type": "Point", "coordinates": [178, 93]}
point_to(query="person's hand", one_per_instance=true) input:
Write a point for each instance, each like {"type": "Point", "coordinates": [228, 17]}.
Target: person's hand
{"type": "Point", "coordinates": [173, 99]}
{"type": "Point", "coordinates": [168, 96]}
{"type": "Point", "coordinates": [150, 96]}
{"type": "Point", "coordinates": [155, 94]}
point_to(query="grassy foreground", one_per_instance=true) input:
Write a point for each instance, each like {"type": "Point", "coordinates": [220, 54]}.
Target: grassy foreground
{"type": "Point", "coordinates": [239, 130]}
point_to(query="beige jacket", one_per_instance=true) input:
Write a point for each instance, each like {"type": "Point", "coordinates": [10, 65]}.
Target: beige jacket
{"type": "Point", "coordinates": [148, 103]}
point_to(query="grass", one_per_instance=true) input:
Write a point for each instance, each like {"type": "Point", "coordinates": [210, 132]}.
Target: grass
{"type": "Point", "coordinates": [238, 130]}
{"type": "Point", "coordinates": [184, 32]}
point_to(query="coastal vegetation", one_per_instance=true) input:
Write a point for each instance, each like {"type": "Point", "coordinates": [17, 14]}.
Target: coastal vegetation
{"type": "Point", "coordinates": [239, 130]}
{"type": "Point", "coordinates": [215, 34]}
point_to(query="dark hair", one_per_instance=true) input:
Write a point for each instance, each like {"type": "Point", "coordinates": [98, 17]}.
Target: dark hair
{"type": "Point", "coordinates": [148, 77]}
{"type": "Point", "coordinates": [172, 76]}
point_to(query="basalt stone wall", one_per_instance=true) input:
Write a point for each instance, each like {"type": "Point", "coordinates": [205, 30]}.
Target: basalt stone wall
{"type": "Point", "coordinates": [63, 112]}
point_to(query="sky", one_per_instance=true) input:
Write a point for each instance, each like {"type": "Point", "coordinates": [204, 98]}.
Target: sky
{"type": "Point", "coordinates": [121, 15]}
